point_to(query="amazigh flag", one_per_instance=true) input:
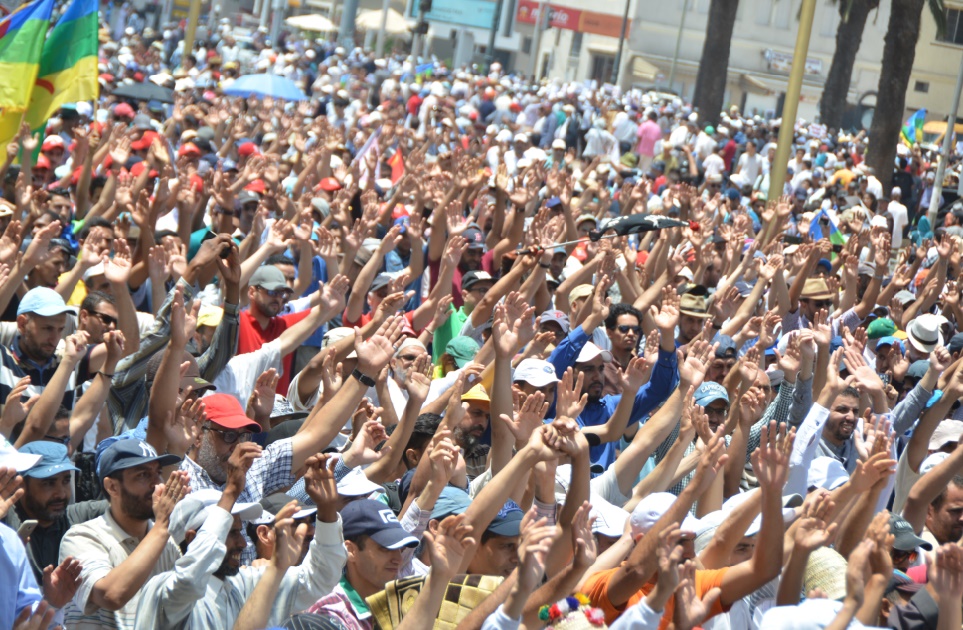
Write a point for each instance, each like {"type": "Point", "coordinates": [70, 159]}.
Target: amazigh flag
{"type": "Point", "coordinates": [816, 231]}
{"type": "Point", "coordinates": [68, 64]}
{"type": "Point", "coordinates": [912, 131]}
{"type": "Point", "coordinates": [424, 70]}
{"type": "Point", "coordinates": [21, 39]}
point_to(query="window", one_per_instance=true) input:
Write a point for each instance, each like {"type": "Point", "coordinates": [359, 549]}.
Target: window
{"type": "Point", "coordinates": [921, 86]}
{"type": "Point", "coordinates": [954, 28]}
{"type": "Point", "coordinates": [783, 14]}
{"type": "Point", "coordinates": [602, 66]}
{"type": "Point", "coordinates": [526, 45]}
{"type": "Point", "coordinates": [576, 44]}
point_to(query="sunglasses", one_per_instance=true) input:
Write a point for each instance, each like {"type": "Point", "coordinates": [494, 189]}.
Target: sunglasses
{"type": "Point", "coordinates": [820, 303]}
{"type": "Point", "coordinates": [625, 328]}
{"type": "Point", "coordinates": [278, 293]}
{"type": "Point", "coordinates": [65, 440]}
{"type": "Point", "coordinates": [230, 436]}
{"type": "Point", "coordinates": [106, 319]}
{"type": "Point", "coordinates": [898, 555]}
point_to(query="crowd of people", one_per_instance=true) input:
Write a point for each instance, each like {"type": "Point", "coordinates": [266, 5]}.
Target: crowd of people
{"type": "Point", "coordinates": [377, 359]}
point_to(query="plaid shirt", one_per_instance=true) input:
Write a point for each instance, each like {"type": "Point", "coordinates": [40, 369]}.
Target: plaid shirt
{"type": "Point", "coordinates": [347, 606]}
{"type": "Point", "coordinates": [270, 473]}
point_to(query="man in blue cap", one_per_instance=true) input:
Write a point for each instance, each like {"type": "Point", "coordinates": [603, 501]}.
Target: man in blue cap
{"type": "Point", "coordinates": [46, 500]}
{"type": "Point", "coordinates": [122, 549]}
{"type": "Point", "coordinates": [498, 549]}
{"type": "Point", "coordinates": [714, 399]}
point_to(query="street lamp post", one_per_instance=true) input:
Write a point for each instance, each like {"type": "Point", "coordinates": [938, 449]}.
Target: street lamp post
{"type": "Point", "coordinates": [618, 55]}
{"type": "Point", "coordinates": [945, 150]}
{"type": "Point", "coordinates": [496, 20]}
{"type": "Point", "coordinates": [678, 43]}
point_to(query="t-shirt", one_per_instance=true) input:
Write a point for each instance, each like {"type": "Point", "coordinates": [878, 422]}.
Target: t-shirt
{"type": "Point", "coordinates": [750, 166]}
{"type": "Point", "coordinates": [447, 331]}
{"type": "Point", "coordinates": [251, 337]}
{"type": "Point", "coordinates": [597, 588]}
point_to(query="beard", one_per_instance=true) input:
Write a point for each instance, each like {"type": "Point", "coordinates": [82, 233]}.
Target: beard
{"type": "Point", "coordinates": [470, 443]}
{"type": "Point", "coordinates": [208, 460]}
{"type": "Point", "coordinates": [49, 511]}
{"type": "Point", "coordinates": [140, 508]}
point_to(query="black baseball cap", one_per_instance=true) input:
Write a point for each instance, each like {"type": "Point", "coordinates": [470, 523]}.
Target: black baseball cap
{"type": "Point", "coordinates": [374, 519]}
{"type": "Point", "coordinates": [474, 277]}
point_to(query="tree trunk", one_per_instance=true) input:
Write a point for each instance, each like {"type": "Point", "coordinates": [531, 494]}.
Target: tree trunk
{"type": "Point", "coordinates": [848, 37]}
{"type": "Point", "coordinates": [710, 88]}
{"type": "Point", "coordinates": [899, 51]}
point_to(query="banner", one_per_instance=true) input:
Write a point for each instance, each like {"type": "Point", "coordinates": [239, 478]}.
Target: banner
{"type": "Point", "coordinates": [607, 24]}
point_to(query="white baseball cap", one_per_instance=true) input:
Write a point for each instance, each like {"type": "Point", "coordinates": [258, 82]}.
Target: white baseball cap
{"type": "Point", "coordinates": [652, 508]}
{"type": "Point", "coordinates": [609, 519]}
{"type": "Point", "coordinates": [10, 457]}
{"type": "Point", "coordinates": [826, 472]}
{"type": "Point", "coordinates": [590, 351]}
{"type": "Point", "coordinates": [535, 372]}
{"type": "Point", "coordinates": [356, 484]}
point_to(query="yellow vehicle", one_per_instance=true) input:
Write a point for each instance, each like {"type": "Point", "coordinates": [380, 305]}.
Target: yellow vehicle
{"type": "Point", "coordinates": [934, 130]}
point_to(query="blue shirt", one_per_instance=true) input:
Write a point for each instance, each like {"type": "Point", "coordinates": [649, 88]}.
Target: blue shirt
{"type": "Point", "coordinates": [21, 588]}
{"type": "Point", "coordinates": [665, 378]}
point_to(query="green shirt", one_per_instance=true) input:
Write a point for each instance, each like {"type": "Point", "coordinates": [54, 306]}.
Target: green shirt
{"type": "Point", "coordinates": [448, 331]}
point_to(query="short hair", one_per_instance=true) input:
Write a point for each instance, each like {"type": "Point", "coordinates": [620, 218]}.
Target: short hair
{"type": "Point", "coordinates": [426, 425]}
{"type": "Point", "coordinates": [159, 234]}
{"type": "Point", "coordinates": [60, 192]}
{"type": "Point", "coordinates": [90, 224]}
{"type": "Point", "coordinates": [850, 391]}
{"type": "Point", "coordinates": [280, 259]}
{"type": "Point", "coordinates": [938, 501]}
{"type": "Point", "coordinates": [61, 413]}
{"type": "Point", "coordinates": [94, 298]}
{"type": "Point", "coordinates": [620, 309]}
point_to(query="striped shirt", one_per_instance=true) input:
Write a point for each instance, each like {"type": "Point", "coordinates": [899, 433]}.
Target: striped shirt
{"type": "Point", "coordinates": [101, 545]}
{"type": "Point", "coordinates": [14, 365]}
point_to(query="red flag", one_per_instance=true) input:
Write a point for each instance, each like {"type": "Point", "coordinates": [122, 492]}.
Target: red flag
{"type": "Point", "coordinates": [397, 167]}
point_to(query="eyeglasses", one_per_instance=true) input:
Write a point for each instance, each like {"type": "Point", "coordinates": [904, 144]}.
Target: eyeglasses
{"type": "Point", "coordinates": [408, 358]}
{"type": "Point", "coordinates": [820, 303]}
{"type": "Point", "coordinates": [230, 436]}
{"type": "Point", "coordinates": [106, 319]}
{"type": "Point", "coordinates": [900, 556]}
{"type": "Point", "coordinates": [625, 328]}
{"type": "Point", "coordinates": [274, 292]}
{"type": "Point", "coordinates": [65, 440]}
{"type": "Point", "coordinates": [718, 413]}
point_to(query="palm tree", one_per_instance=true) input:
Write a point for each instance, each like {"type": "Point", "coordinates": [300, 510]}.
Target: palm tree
{"type": "Point", "coordinates": [710, 87]}
{"type": "Point", "coordinates": [853, 14]}
{"type": "Point", "coordinates": [899, 50]}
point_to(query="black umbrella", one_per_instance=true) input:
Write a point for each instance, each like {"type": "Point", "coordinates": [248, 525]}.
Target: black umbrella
{"type": "Point", "coordinates": [144, 92]}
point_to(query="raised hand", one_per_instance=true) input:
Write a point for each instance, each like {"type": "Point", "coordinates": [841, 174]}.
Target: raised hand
{"type": "Point", "coordinates": [528, 417]}
{"type": "Point", "coordinates": [363, 449]}
{"type": "Point", "coordinates": [238, 465]}
{"type": "Point", "coordinates": [638, 372]}
{"type": "Point", "coordinates": [536, 541]}
{"type": "Point", "coordinates": [690, 611]}
{"type": "Point", "coordinates": [814, 529]}
{"type": "Point", "coordinates": [321, 487]}
{"type": "Point", "coordinates": [693, 368]}
{"type": "Point", "coordinates": [418, 379]}
{"type": "Point", "coordinates": [10, 489]}
{"type": "Point", "coordinates": [771, 460]}
{"type": "Point", "coordinates": [289, 539]}
{"type": "Point", "coordinates": [945, 572]}
{"type": "Point", "coordinates": [571, 400]}
{"type": "Point", "coordinates": [667, 317]}
{"type": "Point", "coordinates": [583, 540]}
{"type": "Point", "coordinates": [261, 401]}
{"type": "Point", "coordinates": [374, 353]}
{"type": "Point", "coordinates": [334, 292]}
{"type": "Point", "coordinates": [15, 409]}
{"type": "Point", "coordinates": [167, 496]}
{"type": "Point", "coordinates": [449, 546]}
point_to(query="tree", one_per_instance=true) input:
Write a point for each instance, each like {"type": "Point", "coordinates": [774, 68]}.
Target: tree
{"type": "Point", "coordinates": [853, 14]}
{"type": "Point", "coordinates": [710, 88]}
{"type": "Point", "coordinates": [899, 51]}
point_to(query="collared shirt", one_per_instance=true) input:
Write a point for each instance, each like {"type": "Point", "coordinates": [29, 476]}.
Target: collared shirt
{"type": "Point", "coordinates": [270, 473]}
{"type": "Point", "coordinates": [251, 337]}
{"type": "Point", "coordinates": [347, 606]}
{"type": "Point", "coordinates": [100, 546]}
{"type": "Point", "coordinates": [191, 597]}
{"type": "Point", "coordinates": [14, 365]}
{"type": "Point", "coordinates": [18, 588]}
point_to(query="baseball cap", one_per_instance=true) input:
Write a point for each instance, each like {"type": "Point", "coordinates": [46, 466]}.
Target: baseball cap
{"type": "Point", "coordinates": [272, 504]}
{"type": "Point", "coordinates": [366, 517]}
{"type": "Point", "coordinates": [52, 142]}
{"type": "Point", "coordinates": [905, 538]}
{"type": "Point", "coordinates": [476, 393]}
{"type": "Point", "coordinates": [694, 306]}
{"type": "Point", "coordinates": [124, 454]}
{"type": "Point", "coordinates": [651, 508]}
{"type": "Point", "coordinates": [191, 512]}
{"type": "Point", "coordinates": [209, 315]}
{"type": "Point", "coordinates": [508, 521]}
{"type": "Point", "coordinates": [43, 302]}
{"type": "Point", "coordinates": [881, 327]}
{"type": "Point", "coordinates": [474, 277]}
{"type": "Point", "coordinates": [10, 457]}
{"type": "Point", "coordinates": [726, 348]}
{"type": "Point", "coordinates": [269, 278]}
{"type": "Point", "coordinates": [462, 349]}
{"type": "Point", "coordinates": [248, 196]}
{"type": "Point", "coordinates": [917, 369]}
{"type": "Point", "coordinates": [451, 501]}
{"type": "Point", "coordinates": [283, 410]}
{"type": "Point", "coordinates": [226, 411]}
{"type": "Point", "coordinates": [904, 297]}
{"type": "Point", "coordinates": [947, 432]}
{"type": "Point", "coordinates": [590, 351]}
{"type": "Point", "coordinates": [827, 473]}
{"type": "Point", "coordinates": [535, 372]}
{"type": "Point", "coordinates": [558, 317]}
{"type": "Point", "coordinates": [709, 392]}
{"type": "Point", "coordinates": [329, 184]}
{"type": "Point", "coordinates": [53, 459]}
{"type": "Point", "coordinates": [475, 238]}
{"type": "Point", "coordinates": [335, 335]}
{"type": "Point", "coordinates": [581, 291]}
{"type": "Point", "coordinates": [357, 484]}
{"type": "Point", "coordinates": [609, 519]}
{"type": "Point", "coordinates": [380, 281]}
{"type": "Point", "coordinates": [142, 122]}
{"type": "Point", "coordinates": [955, 344]}
{"type": "Point", "coordinates": [312, 621]}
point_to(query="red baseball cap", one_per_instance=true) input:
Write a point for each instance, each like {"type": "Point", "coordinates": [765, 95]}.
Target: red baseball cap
{"type": "Point", "coordinates": [123, 110]}
{"type": "Point", "coordinates": [226, 411]}
{"type": "Point", "coordinates": [52, 142]}
{"type": "Point", "coordinates": [139, 167]}
{"type": "Point", "coordinates": [189, 149]}
{"type": "Point", "coordinates": [247, 149]}
{"type": "Point", "coordinates": [329, 184]}
{"type": "Point", "coordinates": [256, 186]}
{"type": "Point", "coordinates": [145, 141]}
{"type": "Point", "coordinates": [43, 162]}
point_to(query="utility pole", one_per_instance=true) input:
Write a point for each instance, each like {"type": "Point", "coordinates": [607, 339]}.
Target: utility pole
{"type": "Point", "coordinates": [496, 20]}
{"type": "Point", "coordinates": [193, 14]}
{"type": "Point", "coordinates": [348, 16]}
{"type": "Point", "coordinates": [945, 150]}
{"type": "Point", "coordinates": [678, 43]}
{"type": "Point", "coordinates": [540, 23]}
{"type": "Point", "coordinates": [780, 165]}
{"type": "Point", "coordinates": [618, 55]}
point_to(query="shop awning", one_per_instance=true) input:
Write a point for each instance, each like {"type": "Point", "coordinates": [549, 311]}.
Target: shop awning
{"type": "Point", "coordinates": [753, 84]}
{"type": "Point", "coordinates": [642, 69]}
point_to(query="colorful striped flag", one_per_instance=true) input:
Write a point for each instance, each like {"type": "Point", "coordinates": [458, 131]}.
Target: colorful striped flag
{"type": "Point", "coordinates": [912, 131]}
{"type": "Point", "coordinates": [816, 231]}
{"type": "Point", "coordinates": [21, 39]}
{"type": "Point", "coordinates": [68, 64]}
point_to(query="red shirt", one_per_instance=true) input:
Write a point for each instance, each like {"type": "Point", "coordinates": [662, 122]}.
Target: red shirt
{"type": "Point", "coordinates": [251, 337]}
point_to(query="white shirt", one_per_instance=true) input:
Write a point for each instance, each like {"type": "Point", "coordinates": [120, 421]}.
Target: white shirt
{"type": "Point", "coordinates": [714, 165]}
{"type": "Point", "coordinates": [241, 372]}
{"type": "Point", "coordinates": [750, 166]}
{"type": "Point", "coordinates": [900, 219]}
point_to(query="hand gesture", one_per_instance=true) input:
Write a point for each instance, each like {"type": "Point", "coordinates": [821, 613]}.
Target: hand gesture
{"type": "Point", "coordinates": [571, 400]}
{"type": "Point", "coordinates": [321, 487]}
{"type": "Point", "coordinates": [75, 347]}
{"type": "Point", "coordinates": [449, 546]}
{"type": "Point", "coordinates": [418, 379]}
{"type": "Point", "coordinates": [168, 495]}
{"type": "Point", "coordinates": [238, 464]}
{"type": "Point", "coordinates": [60, 583]}
{"type": "Point", "coordinates": [771, 460]}
{"type": "Point", "coordinates": [15, 409]}
{"type": "Point", "coordinates": [945, 571]}
{"type": "Point", "coordinates": [505, 333]}
{"type": "Point", "coordinates": [261, 401]}
{"type": "Point", "coordinates": [10, 489]}
{"type": "Point", "coordinates": [443, 457]}
{"type": "Point", "coordinates": [536, 541]}
{"type": "Point", "coordinates": [289, 542]}
{"type": "Point", "coordinates": [690, 611]}
{"type": "Point", "coordinates": [638, 371]}
{"type": "Point", "coordinates": [529, 416]}
{"type": "Point", "coordinates": [363, 449]}
{"type": "Point", "coordinates": [39, 619]}
{"type": "Point", "coordinates": [667, 317]}
{"type": "Point", "coordinates": [583, 540]}
{"type": "Point", "coordinates": [693, 368]}
{"type": "Point", "coordinates": [374, 353]}
{"type": "Point", "coordinates": [814, 529]}
{"type": "Point", "coordinates": [117, 269]}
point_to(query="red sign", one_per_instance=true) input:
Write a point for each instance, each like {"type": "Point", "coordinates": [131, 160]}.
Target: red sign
{"type": "Point", "coordinates": [571, 19]}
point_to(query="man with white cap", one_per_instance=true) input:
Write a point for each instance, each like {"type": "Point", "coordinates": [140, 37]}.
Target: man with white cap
{"type": "Point", "coordinates": [208, 587]}
{"type": "Point", "coordinates": [900, 215]}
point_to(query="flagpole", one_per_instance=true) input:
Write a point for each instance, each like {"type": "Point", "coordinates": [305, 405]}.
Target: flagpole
{"type": "Point", "coordinates": [193, 15]}
{"type": "Point", "coordinates": [945, 150]}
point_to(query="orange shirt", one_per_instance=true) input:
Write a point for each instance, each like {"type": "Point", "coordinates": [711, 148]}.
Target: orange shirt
{"type": "Point", "coordinates": [597, 588]}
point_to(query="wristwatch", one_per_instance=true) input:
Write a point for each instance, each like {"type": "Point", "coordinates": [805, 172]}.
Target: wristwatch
{"type": "Point", "coordinates": [364, 378]}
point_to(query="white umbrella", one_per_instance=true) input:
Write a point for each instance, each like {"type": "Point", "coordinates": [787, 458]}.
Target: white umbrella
{"type": "Point", "coordinates": [370, 20]}
{"type": "Point", "coordinates": [314, 22]}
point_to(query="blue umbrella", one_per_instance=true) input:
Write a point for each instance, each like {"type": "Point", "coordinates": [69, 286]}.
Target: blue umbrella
{"type": "Point", "coordinates": [265, 85]}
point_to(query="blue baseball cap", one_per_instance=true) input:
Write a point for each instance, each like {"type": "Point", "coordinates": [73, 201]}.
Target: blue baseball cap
{"type": "Point", "coordinates": [826, 264]}
{"type": "Point", "coordinates": [378, 522]}
{"type": "Point", "coordinates": [709, 392]}
{"type": "Point", "coordinates": [124, 454]}
{"type": "Point", "coordinates": [888, 341]}
{"type": "Point", "coordinates": [43, 302]}
{"type": "Point", "coordinates": [508, 522]}
{"type": "Point", "coordinates": [451, 501]}
{"type": "Point", "coordinates": [53, 459]}
{"type": "Point", "coordinates": [726, 346]}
